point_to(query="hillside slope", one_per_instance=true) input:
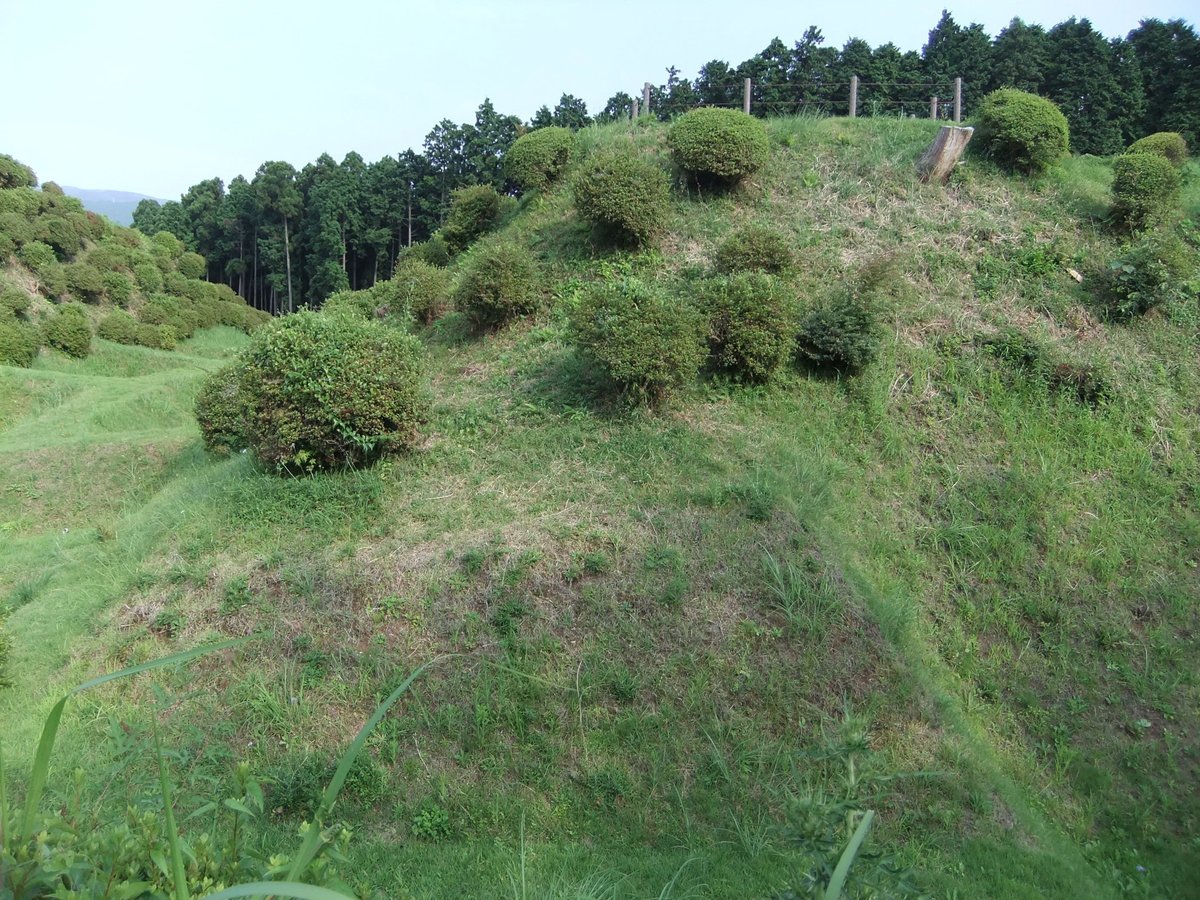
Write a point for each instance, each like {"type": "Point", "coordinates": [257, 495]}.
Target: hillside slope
{"type": "Point", "coordinates": [681, 648]}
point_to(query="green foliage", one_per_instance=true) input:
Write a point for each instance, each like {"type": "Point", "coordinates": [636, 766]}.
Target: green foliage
{"type": "Point", "coordinates": [1145, 190]}
{"type": "Point", "coordinates": [537, 159]}
{"type": "Point", "coordinates": [67, 329]}
{"type": "Point", "coordinates": [192, 265]}
{"type": "Point", "coordinates": [1158, 268]}
{"type": "Point", "coordinates": [167, 245]}
{"type": "Point", "coordinates": [38, 256]}
{"type": "Point", "coordinates": [435, 251]}
{"type": "Point", "coordinates": [149, 278]}
{"type": "Point", "coordinates": [647, 341]}
{"type": "Point", "coordinates": [498, 282]}
{"type": "Point", "coordinates": [422, 289]}
{"type": "Point", "coordinates": [19, 342]}
{"type": "Point", "coordinates": [84, 281]}
{"type": "Point", "coordinates": [14, 174]}
{"type": "Point", "coordinates": [163, 309]}
{"type": "Point", "coordinates": [474, 211]}
{"type": "Point", "coordinates": [5, 640]}
{"type": "Point", "coordinates": [723, 145]}
{"type": "Point", "coordinates": [118, 326]}
{"type": "Point", "coordinates": [222, 410]}
{"type": "Point", "coordinates": [1168, 144]}
{"type": "Point", "coordinates": [841, 333]}
{"type": "Point", "coordinates": [752, 323]}
{"type": "Point", "coordinates": [432, 822]}
{"type": "Point", "coordinates": [329, 392]}
{"type": "Point", "coordinates": [1021, 131]}
{"type": "Point", "coordinates": [13, 301]}
{"type": "Point", "coordinates": [754, 248]}
{"type": "Point", "coordinates": [623, 195]}
{"type": "Point", "coordinates": [117, 287]}
{"type": "Point", "coordinates": [158, 337]}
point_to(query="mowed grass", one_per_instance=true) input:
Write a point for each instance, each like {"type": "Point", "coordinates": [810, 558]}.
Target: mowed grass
{"type": "Point", "coordinates": [679, 647]}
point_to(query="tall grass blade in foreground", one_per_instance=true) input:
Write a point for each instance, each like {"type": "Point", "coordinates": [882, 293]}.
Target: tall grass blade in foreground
{"type": "Point", "coordinates": [178, 872]}
{"type": "Point", "coordinates": [838, 881]}
{"type": "Point", "coordinates": [291, 889]}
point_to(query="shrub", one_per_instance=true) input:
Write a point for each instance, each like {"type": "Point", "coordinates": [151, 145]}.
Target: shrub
{"type": "Point", "coordinates": [148, 277]}
{"type": "Point", "coordinates": [192, 265]}
{"type": "Point", "coordinates": [175, 284]}
{"type": "Point", "coordinates": [1021, 131]}
{"type": "Point", "coordinates": [166, 245]}
{"type": "Point", "coordinates": [84, 282]}
{"type": "Point", "coordinates": [13, 302]}
{"type": "Point", "coordinates": [474, 211]}
{"type": "Point", "coordinates": [752, 324]}
{"type": "Point", "coordinates": [1145, 190]}
{"type": "Point", "coordinates": [221, 410]}
{"type": "Point", "coordinates": [14, 174]}
{"type": "Point", "coordinates": [537, 159]}
{"type": "Point", "coordinates": [237, 314]}
{"type": "Point", "coordinates": [67, 329]}
{"type": "Point", "coordinates": [497, 283]}
{"type": "Point", "coordinates": [723, 145]}
{"type": "Point", "coordinates": [328, 391]}
{"type": "Point", "coordinates": [841, 333]}
{"type": "Point", "coordinates": [361, 304]}
{"type": "Point", "coordinates": [647, 341]}
{"type": "Point", "coordinates": [119, 326]}
{"type": "Point", "coordinates": [158, 337]}
{"type": "Point", "coordinates": [1168, 144]}
{"type": "Point", "coordinates": [754, 248]}
{"type": "Point", "coordinates": [422, 289]}
{"type": "Point", "coordinates": [38, 256]}
{"type": "Point", "coordinates": [434, 251]}
{"type": "Point", "coordinates": [623, 195]}
{"type": "Point", "coordinates": [177, 312]}
{"type": "Point", "coordinates": [18, 343]}
{"type": "Point", "coordinates": [1156, 269]}
{"type": "Point", "coordinates": [60, 234]}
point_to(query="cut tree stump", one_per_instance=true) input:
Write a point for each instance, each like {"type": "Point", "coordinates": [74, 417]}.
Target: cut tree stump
{"type": "Point", "coordinates": [937, 162]}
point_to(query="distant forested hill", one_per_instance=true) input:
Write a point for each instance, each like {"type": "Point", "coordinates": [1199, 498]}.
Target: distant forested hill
{"type": "Point", "coordinates": [117, 205]}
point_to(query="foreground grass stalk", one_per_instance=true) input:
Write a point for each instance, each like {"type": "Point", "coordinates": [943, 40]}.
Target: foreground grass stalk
{"type": "Point", "coordinates": [838, 881]}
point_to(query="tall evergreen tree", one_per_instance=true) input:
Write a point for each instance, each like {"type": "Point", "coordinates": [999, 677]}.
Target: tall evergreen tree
{"type": "Point", "coordinates": [278, 195]}
{"type": "Point", "coordinates": [957, 52]}
{"type": "Point", "coordinates": [1082, 78]}
{"type": "Point", "coordinates": [1020, 57]}
{"type": "Point", "coordinates": [1169, 57]}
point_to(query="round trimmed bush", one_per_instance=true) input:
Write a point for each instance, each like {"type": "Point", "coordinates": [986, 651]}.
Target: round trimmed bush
{"type": "Point", "coordinates": [118, 326]}
{"type": "Point", "coordinates": [719, 144]}
{"type": "Point", "coordinates": [421, 289]}
{"type": "Point", "coordinates": [647, 341]}
{"type": "Point", "coordinates": [498, 282]}
{"type": "Point", "coordinates": [192, 265]}
{"type": "Point", "coordinates": [329, 392]}
{"type": "Point", "coordinates": [18, 343]}
{"type": "Point", "coordinates": [1168, 144]}
{"type": "Point", "coordinates": [14, 302]}
{"type": "Point", "coordinates": [84, 282]}
{"type": "Point", "coordinates": [752, 324]}
{"type": "Point", "coordinates": [434, 251]}
{"type": "Point", "coordinates": [841, 334]}
{"type": "Point", "coordinates": [67, 329]}
{"type": "Point", "coordinates": [623, 195]}
{"type": "Point", "coordinates": [38, 256]}
{"type": "Point", "coordinates": [537, 159]}
{"type": "Point", "coordinates": [474, 211]}
{"type": "Point", "coordinates": [222, 410]}
{"type": "Point", "coordinates": [754, 248]}
{"type": "Point", "coordinates": [1145, 190]}
{"type": "Point", "coordinates": [158, 337]}
{"type": "Point", "coordinates": [148, 277]}
{"type": "Point", "coordinates": [1022, 131]}
{"type": "Point", "coordinates": [117, 288]}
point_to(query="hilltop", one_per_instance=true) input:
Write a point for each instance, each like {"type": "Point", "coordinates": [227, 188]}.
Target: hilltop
{"type": "Point", "coordinates": [680, 646]}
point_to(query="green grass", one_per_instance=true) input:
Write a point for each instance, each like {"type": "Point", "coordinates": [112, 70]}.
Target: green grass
{"type": "Point", "coordinates": [672, 632]}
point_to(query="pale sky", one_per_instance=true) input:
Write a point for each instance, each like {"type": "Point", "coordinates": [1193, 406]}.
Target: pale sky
{"type": "Point", "coordinates": [153, 96]}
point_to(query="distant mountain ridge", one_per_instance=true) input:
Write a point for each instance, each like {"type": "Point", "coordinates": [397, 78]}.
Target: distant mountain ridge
{"type": "Point", "coordinates": [117, 205]}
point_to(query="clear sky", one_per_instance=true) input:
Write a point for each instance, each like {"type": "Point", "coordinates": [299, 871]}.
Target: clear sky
{"type": "Point", "coordinates": [154, 95]}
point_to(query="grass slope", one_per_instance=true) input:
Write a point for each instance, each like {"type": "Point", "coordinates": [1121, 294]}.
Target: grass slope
{"type": "Point", "coordinates": [683, 647]}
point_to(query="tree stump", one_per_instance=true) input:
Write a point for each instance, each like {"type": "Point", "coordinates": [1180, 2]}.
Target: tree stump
{"type": "Point", "coordinates": [939, 160]}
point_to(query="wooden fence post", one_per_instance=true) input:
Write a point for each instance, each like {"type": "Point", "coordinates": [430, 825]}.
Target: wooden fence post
{"type": "Point", "coordinates": [957, 100]}
{"type": "Point", "coordinates": [853, 96]}
{"type": "Point", "coordinates": [933, 107]}
{"type": "Point", "coordinates": [646, 98]}
{"type": "Point", "coordinates": [746, 96]}
{"type": "Point", "coordinates": [634, 110]}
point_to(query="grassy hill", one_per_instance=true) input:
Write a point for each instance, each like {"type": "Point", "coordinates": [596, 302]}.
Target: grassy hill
{"type": "Point", "coordinates": [677, 650]}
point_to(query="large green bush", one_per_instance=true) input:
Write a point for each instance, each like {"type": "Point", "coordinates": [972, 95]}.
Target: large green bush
{"type": "Point", "coordinates": [84, 281]}
{"type": "Point", "coordinates": [222, 410]}
{"type": "Point", "coordinates": [148, 277]}
{"type": "Point", "coordinates": [1167, 144]}
{"type": "Point", "coordinates": [754, 248]}
{"type": "Point", "coordinates": [841, 333]}
{"type": "Point", "coordinates": [623, 195]}
{"type": "Point", "coordinates": [1021, 131]}
{"type": "Point", "coordinates": [537, 159]}
{"type": "Point", "coordinates": [163, 309]}
{"type": "Point", "coordinates": [158, 337]}
{"type": "Point", "coordinates": [1145, 190]}
{"type": "Point", "coordinates": [499, 282]}
{"type": "Point", "coordinates": [434, 251]}
{"type": "Point", "coordinates": [331, 391]}
{"type": "Point", "coordinates": [752, 324]}
{"type": "Point", "coordinates": [474, 211]}
{"type": "Point", "coordinates": [192, 265]}
{"type": "Point", "coordinates": [118, 326]}
{"type": "Point", "coordinates": [422, 289]}
{"type": "Point", "coordinates": [117, 288]}
{"type": "Point", "coordinates": [15, 174]}
{"type": "Point", "coordinates": [649, 342]}
{"type": "Point", "coordinates": [716, 144]}
{"type": "Point", "coordinates": [38, 256]}
{"type": "Point", "coordinates": [67, 329]}
{"type": "Point", "coordinates": [19, 342]}
{"type": "Point", "coordinates": [13, 301]}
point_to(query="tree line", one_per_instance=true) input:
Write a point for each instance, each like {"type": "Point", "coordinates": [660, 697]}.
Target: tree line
{"type": "Point", "coordinates": [286, 237]}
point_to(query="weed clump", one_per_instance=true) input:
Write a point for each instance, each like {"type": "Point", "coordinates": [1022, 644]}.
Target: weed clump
{"type": "Point", "coordinates": [1158, 268]}
{"type": "Point", "coordinates": [752, 324]}
{"type": "Point", "coordinates": [719, 145]}
{"type": "Point", "coordinates": [1022, 131]}
{"type": "Point", "coordinates": [474, 211]}
{"type": "Point", "coordinates": [537, 159]}
{"type": "Point", "coordinates": [622, 195]}
{"type": "Point", "coordinates": [325, 392]}
{"type": "Point", "coordinates": [647, 341]}
{"type": "Point", "coordinates": [498, 283]}
{"type": "Point", "coordinates": [68, 330]}
{"type": "Point", "coordinates": [1145, 190]}
{"type": "Point", "coordinates": [118, 326]}
{"type": "Point", "coordinates": [754, 248]}
{"type": "Point", "coordinates": [1170, 145]}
